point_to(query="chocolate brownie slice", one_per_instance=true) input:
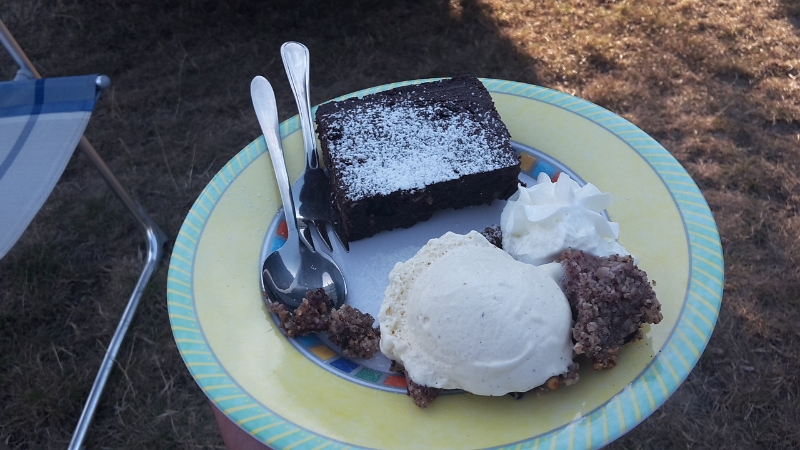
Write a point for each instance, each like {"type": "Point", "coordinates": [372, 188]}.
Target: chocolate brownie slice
{"type": "Point", "coordinates": [397, 156]}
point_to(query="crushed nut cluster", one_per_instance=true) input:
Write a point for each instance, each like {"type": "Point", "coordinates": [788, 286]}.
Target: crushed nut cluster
{"type": "Point", "coordinates": [353, 332]}
{"type": "Point", "coordinates": [346, 327]}
{"type": "Point", "coordinates": [312, 315]}
{"type": "Point", "coordinates": [422, 396]}
{"type": "Point", "coordinates": [610, 299]}
{"type": "Point", "coordinates": [494, 235]}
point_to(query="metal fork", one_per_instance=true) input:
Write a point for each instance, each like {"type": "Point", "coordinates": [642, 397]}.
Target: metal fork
{"type": "Point", "coordinates": [312, 191]}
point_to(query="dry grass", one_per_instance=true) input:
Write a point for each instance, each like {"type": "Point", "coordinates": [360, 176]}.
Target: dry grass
{"type": "Point", "coordinates": [715, 82]}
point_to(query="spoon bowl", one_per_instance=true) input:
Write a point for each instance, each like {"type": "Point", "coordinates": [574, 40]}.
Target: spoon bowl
{"type": "Point", "coordinates": [315, 270]}
{"type": "Point", "coordinates": [294, 269]}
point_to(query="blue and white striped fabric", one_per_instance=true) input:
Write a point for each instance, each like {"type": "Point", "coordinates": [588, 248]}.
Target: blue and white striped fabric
{"type": "Point", "coordinates": [41, 123]}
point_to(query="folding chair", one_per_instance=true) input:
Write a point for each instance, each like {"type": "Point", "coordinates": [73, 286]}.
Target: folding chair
{"type": "Point", "coordinates": [41, 123]}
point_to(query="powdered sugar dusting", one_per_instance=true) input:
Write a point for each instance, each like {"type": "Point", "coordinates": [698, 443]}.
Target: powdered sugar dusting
{"type": "Point", "coordinates": [381, 148]}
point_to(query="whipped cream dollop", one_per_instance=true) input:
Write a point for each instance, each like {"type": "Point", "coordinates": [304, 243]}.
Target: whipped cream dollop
{"type": "Point", "coordinates": [463, 314]}
{"type": "Point", "coordinates": [541, 221]}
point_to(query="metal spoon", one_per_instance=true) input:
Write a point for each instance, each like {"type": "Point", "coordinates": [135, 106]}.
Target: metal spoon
{"type": "Point", "coordinates": [292, 270]}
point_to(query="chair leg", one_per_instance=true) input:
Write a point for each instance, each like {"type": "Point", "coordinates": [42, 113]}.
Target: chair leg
{"type": "Point", "coordinates": [153, 235]}
{"type": "Point", "coordinates": [155, 245]}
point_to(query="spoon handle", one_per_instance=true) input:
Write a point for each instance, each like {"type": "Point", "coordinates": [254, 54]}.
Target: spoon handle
{"type": "Point", "coordinates": [296, 62]}
{"type": "Point", "coordinates": [267, 112]}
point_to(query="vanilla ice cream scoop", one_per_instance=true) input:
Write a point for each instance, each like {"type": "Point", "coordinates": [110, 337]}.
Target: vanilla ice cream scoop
{"type": "Point", "coordinates": [463, 314]}
{"type": "Point", "coordinates": [540, 222]}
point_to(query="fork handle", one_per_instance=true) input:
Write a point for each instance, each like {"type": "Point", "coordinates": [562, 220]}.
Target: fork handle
{"type": "Point", "coordinates": [296, 62]}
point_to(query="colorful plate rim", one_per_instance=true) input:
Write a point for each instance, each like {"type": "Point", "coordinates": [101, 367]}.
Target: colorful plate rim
{"type": "Point", "coordinates": [683, 348]}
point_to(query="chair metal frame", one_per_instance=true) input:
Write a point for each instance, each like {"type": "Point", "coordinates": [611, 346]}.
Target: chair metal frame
{"type": "Point", "coordinates": [153, 235]}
